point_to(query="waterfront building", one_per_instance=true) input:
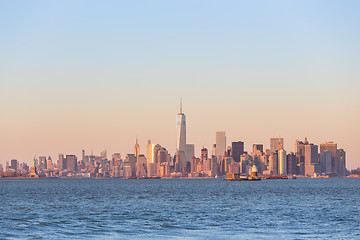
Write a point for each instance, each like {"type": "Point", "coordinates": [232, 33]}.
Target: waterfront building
{"type": "Point", "coordinates": [276, 144]}
{"type": "Point", "coordinates": [130, 160]}
{"type": "Point", "coordinates": [190, 152]}
{"type": "Point", "coordinates": [181, 131]}
{"type": "Point", "coordinates": [237, 150]}
{"type": "Point", "coordinates": [325, 161]}
{"type": "Point", "coordinates": [292, 167]}
{"type": "Point", "coordinates": [70, 163]}
{"type": "Point", "coordinates": [180, 163]}
{"type": "Point", "coordinates": [311, 159]}
{"type": "Point", "coordinates": [282, 162]}
{"type": "Point", "coordinates": [273, 163]}
{"type": "Point", "coordinates": [141, 166]}
{"type": "Point", "coordinates": [151, 169]}
{"type": "Point", "coordinates": [341, 159]}
{"type": "Point", "coordinates": [220, 144]}
{"type": "Point", "coordinates": [331, 147]}
{"type": "Point", "coordinates": [214, 166]}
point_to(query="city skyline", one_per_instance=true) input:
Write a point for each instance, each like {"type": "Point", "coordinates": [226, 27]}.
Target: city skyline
{"type": "Point", "coordinates": [275, 143]}
{"type": "Point", "coordinates": [88, 76]}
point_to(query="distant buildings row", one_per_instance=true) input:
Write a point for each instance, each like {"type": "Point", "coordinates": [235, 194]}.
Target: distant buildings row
{"type": "Point", "coordinates": [306, 160]}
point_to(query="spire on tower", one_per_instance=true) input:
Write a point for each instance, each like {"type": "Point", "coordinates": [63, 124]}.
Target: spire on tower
{"type": "Point", "coordinates": [180, 105]}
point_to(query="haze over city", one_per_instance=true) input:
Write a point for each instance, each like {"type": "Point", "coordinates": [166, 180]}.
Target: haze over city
{"type": "Point", "coordinates": [83, 75]}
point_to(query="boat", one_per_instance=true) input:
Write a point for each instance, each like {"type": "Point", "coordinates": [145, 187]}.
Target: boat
{"type": "Point", "coordinates": [275, 177]}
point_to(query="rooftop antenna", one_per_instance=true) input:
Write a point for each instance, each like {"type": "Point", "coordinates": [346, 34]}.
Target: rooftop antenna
{"type": "Point", "coordinates": [180, 105]}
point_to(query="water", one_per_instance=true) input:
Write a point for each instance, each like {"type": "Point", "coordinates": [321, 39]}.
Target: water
{"type": "Point", "coordinates": [179, 209]}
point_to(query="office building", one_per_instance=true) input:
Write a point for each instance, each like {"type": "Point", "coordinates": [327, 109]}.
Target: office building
{"type": "Point", "coordinates": [181, 131]}
{"type": "Point", "coordinates": [70, 163]}
{"type": "Point", "coordinates": [14, 165]}
{"type": "Point", "coordinates": [331, 147]}
{"type": "Point", "coordinates": [220, 144]}
{"type": "Point", "coordinates": [237, 150]}
{"type": "Point", "coordinates": [325, 161]}
{"type": "Point", "coordinates": [137, 148]}
{"type": "Point", "coordinates": [190, 152]}
{"type": "Point", "coordinates": [258, 147]}
{"type": "Point", "coordinates": [276, 144]}
{"type": "Point", "coordinates": [282, 162]}
{"type": "Point", "coordinates": [204, 153]}
{"type": "Point", "coordinates": [311, 159]}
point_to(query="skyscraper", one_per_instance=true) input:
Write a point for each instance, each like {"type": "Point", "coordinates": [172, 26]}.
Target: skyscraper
{"type": "Point", "coordinates": [237, 150]}
{"type": "Point", "coordinates": [311, 159]}
{"type": "Point", "coordinates": [331, 147]}
{"type": "Point", "coordinates": [204, 153]}
{"type": "Point", "coordinates": [190, 152]}
{"type": "Point", "coordinates": [150, 152]}
{"type": "Point", "coordinates": [181, 131]}
{"type": "Point", "coordinates": [136, 149]}
{"type": "Point", "coordinates": [325, 161]}
{"type": "Point", "coordinates": [220, 144]}
{"type": "Point", "coordinates": [276, 144]}
{"type": "Point", "coordinates": [282, 162]}
{"type": "Point", "coordinates": [14, 165]}
{"type": "Point", "coordinates": [71, 163]}
{"type": "Point", "coordinates": [341, 160]}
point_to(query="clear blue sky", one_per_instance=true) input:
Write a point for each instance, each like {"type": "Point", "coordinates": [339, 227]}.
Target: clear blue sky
{"type": "Point", "coordinates": [94, 74]}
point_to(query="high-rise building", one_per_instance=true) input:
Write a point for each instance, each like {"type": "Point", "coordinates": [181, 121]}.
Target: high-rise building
{"type": "Point", "coordinates": [273, 163]}
{"type": "Point", "coordinates": [141, 166]}
{"type": "Point", "coordinates": [311, 159]}
{"type": "Point", "coordinates": [325, 161]}
{"type": "Point", "coordinates": [292, 167]}
{"type": "Point", "coordinates": [71, 163]}
{"type": "Point", "coordinates": [60, 163]}
{"type": "Point", "coordinates": [136, 149]}
{"type": "Point", "coordinates": [14, 165]}
{"type": "Point", "coordinates": [150, 155]}
{"type": "Point", "coordinates": [181, 131]}
{"type": "Point", "coordinates": [276, 144]}
{"type": "Point", "coordinates": [237, 150]}
{"type": "Point", "coordinates": [190, 152]}
{"type": "Point", "coordinates": [282, 162]}
{"type": "Point", "coordinates": [331, 147]}
{"type": "Point", "coordinates": [220, 144]}
{"type": "Point", "coordinates": [130, 161]}
{"type": "Point", "coordinates": [258, 147]}
{"type": "Point", "coordinates": [42, 162]}
{"type": "Point", "coordinates": [204, 153]}
{"type": "Point", "coordinates": [341, 159]}
{"type": "Point", "coordinates": [213, 150]}
{"type": "Point", "coordinates": [299, 147]}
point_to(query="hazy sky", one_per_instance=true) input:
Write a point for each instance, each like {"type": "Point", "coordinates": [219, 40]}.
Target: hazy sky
{"type": "Point", "coordinates": [95, 74]}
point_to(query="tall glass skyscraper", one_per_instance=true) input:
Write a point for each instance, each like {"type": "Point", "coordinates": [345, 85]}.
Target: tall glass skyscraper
{"type": "Point", "coordinates": [181, 131]}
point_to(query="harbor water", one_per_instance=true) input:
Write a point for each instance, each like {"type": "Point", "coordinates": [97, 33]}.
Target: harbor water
{"type": "Point", "coordinates": [179, 209]}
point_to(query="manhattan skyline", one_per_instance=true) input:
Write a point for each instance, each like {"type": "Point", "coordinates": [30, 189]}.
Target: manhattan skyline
{"type": "Point", "coordinates": [81, 75]}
